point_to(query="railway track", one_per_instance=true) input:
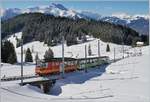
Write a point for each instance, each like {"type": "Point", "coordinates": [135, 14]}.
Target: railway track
{"type": "Point", "coordinates": [12, 78]}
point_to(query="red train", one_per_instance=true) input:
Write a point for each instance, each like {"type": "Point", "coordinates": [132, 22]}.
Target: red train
{"type": "Point", "coordinates": [53, 66]}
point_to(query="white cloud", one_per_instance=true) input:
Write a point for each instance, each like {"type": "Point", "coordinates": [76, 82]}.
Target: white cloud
{"type": "Point", "coordinates": [121, 15]}
{"type": "Point", "coordinates": [1, 11]}
{"type": "Point", "coordinates": [127, 16]}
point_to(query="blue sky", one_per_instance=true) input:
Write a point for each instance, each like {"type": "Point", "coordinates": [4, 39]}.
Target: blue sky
{"type": "Point", "coordinates": [102, 7]}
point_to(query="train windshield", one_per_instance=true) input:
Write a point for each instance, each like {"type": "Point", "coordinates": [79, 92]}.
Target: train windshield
{"type": "Point", "coordinates": [41, 64]}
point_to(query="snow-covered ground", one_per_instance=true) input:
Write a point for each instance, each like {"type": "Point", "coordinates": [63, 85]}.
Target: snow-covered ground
{"type": "Point", "coordinates": [8, 70]}
{"type": "Point", "coordinates": [75, 51]}
{"type": "Point", "coordinates": [127, 80]}
{"type": "Point", "coordinates": [124, 81]}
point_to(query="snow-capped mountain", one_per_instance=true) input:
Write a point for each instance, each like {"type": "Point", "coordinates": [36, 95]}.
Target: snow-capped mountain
{"type": "Point", "coordinates": [9, 13]}
{"type": "Point", "coordinates": [53, 9]}
{"type": "Point", "coordinates": [91, 15]}
{"type": "Point", "coordinates": [140, 23]}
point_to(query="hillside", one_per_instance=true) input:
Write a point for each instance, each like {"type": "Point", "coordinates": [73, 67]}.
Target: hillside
{"type": "Point", "coordinates": [126, 80]}
{"type": "Point", "coordinates": [74, 51]}
{"type": "Point", "coordinates": [50, 29]}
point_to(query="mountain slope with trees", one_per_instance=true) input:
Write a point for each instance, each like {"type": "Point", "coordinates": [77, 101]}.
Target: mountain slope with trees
{"type": "Point", "coordinates": [50, 29]}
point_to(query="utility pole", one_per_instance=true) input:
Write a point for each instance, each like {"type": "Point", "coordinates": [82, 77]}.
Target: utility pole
{"type": "Point", "coordinates": [85, 60]}
{"type": "Point", "coordinates": [21, 61]}
{"type": "Point", "coordinates": [114, 54]}
{"type": "Point", "coordinates": [99, 53]}
{"type": "Point", "coordinates": [123, 50]}
{"type": "Point", "coordinates": [63, 60]}
{"type": "Point", "coordinates": [123, 44]}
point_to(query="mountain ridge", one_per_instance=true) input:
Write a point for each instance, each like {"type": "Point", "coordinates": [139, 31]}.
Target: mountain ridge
{"type": "Point", "coordinates": [48, 28]}
{"type": "Point", "coordinates": [140, 23]}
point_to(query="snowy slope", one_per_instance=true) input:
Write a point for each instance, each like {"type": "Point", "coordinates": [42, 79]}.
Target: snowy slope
{"type": "Point", "coordinates": [124, 81]}
{"type": "Point", "coordinates": [74, 51]}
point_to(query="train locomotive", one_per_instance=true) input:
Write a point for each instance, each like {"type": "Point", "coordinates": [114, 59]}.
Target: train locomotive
{"type": "Point", "coordinates": [53, 66]}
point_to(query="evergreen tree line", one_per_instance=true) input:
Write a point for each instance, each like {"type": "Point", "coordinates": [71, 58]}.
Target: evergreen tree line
{"type": "Point", "coordinates": [8, 54]}
{"type": "Point", "coordinates": [50, 29]}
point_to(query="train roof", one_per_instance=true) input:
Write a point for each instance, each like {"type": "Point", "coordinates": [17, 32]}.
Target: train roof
{"type": "Point", "coordinates": [93, 57]}
{"type": "Point", "coordinates": [73, 59]}
{"type": "Point", "coordinates": [60, 59]}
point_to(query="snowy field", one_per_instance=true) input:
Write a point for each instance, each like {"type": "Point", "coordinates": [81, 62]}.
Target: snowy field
{"type": "Point", "coordinates": [74, 51]}
{"type": "Point", "coordinates": [127, 80]}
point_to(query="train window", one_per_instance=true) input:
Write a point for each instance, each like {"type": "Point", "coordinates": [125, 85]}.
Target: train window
{"type": "Point", "coordinates": [43, 65]}
{"type": "Point", "coordinates": [88, 60]}
{"type": "Point", "coordinates": [81, 61]}
{"type": "Point", "coordinates": [67, 62]}
{"type": "Point", "coordinates": [57, 63]}
{"type": "Point", "coordinates": [91, 60]}
{"type": "Point", "coordinates": [52, 63]}
{"type": "Point", "coordinates": [38, 64]}
{"type": "Point", "coordinates": [75, 62]}
{"type": "Point", "coordinates": [70, 63]}
{"type": "Point", "coordinates": [46, 65]}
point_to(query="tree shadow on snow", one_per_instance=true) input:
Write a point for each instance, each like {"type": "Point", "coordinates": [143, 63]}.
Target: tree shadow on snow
{"type": "Point", "coordinates": [78, 77]}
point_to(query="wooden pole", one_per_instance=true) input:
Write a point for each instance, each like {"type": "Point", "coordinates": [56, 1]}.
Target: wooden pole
{"type": "Point", "coordinates": [85, 60]}
{"type": "Point", "coordinates": [21, 61]}
{"type": "Point", "coordinates": [63, 60]}
{"type": "Point", "coordinates": [99, 53]}
{"type": "Point", "coordinates": [123, 50]}
{"type": "Point", "coordinates": [114, 54]}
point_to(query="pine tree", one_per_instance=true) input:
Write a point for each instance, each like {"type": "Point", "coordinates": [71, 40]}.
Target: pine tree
{"type": "Point", "coordinates": [48, 54]}
{"type": "Point", "coordinates": [107, 48]}
{"type": "Point", "coordinates": [12, 58]}
{"type": "Point", "coordinates": [89, 50]}
{"type": "Point", "coordinates": [8, 52]}
{"type": "Point", "coordinates": [28, 56]}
